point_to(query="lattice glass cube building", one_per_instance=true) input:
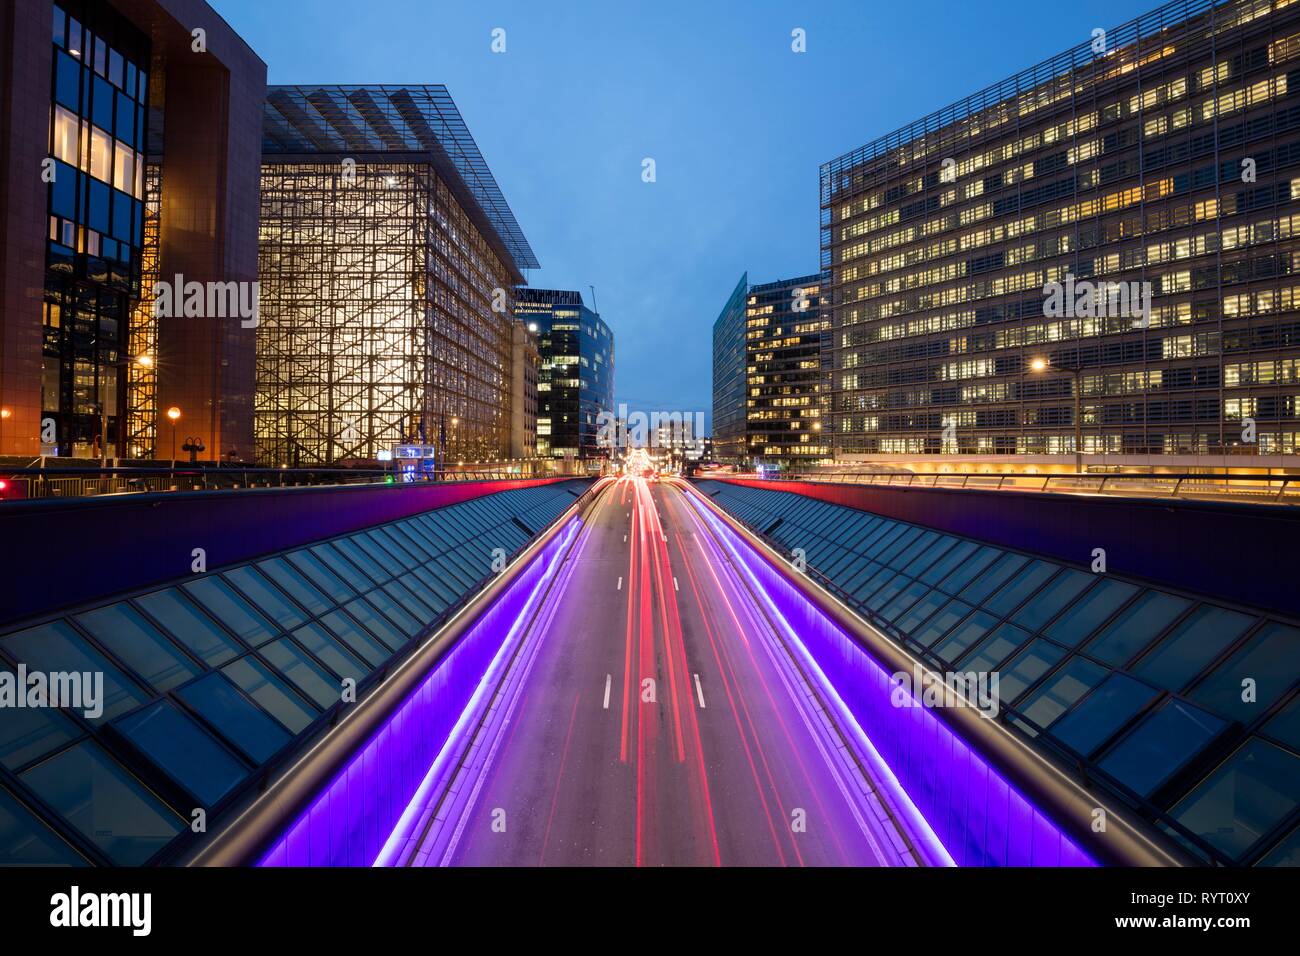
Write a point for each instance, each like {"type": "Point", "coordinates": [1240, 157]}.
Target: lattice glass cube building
{"type": "Point", "coordinates": [388, 259]}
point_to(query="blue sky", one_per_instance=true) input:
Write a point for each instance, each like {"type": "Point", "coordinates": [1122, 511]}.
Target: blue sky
{"type": "Point", "coordinates": [736, 122]}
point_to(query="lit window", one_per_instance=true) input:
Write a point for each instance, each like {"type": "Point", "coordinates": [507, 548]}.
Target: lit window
{"type": "Point", "coordinates": [101, 154]}
{"type": "Point", "coordinates": [124, 168]}
{"type": "Point", "coordinates": [65, 135]}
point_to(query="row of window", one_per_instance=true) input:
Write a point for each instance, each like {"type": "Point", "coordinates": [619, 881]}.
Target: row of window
{"type": "Point", "coordinates": [96, 141]}
{"type": "Point", "coordinates": [1191, 40]}
{"type": "Point", "coordinates": [1140, 441]}
{"type": "Point", "coordinates": [99, 56]}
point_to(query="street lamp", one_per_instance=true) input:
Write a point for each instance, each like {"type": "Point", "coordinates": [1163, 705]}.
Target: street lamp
{"type": "Point", "coordinates": [4, 416]}
{"type": "Point", "coordinates": [1041, 364]}
{"type": "Point", "coordinates": [173, 414]}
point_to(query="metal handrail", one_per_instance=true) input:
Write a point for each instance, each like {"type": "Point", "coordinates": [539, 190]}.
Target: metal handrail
{"type": "Point", "coordinates": [1274, 487]}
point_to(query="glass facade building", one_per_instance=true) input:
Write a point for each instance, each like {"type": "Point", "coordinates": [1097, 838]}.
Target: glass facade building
{"type": "Point", "coordinates": [771, 373]}
{"type": "Point", "coordinates": [787, 372]}
{"type": "Point", "coordinates": [95, 240]}
{"type": "Point", "coordinates": [728, 427]}
{"type": "Point", "coordinates": [575, 381]}
{"type": "Point", "coordinates": [147, 159]}
{"type": "Point", "coordinates": [1161, 159]}
{"type": "Point", "coordinates": [388, 260]}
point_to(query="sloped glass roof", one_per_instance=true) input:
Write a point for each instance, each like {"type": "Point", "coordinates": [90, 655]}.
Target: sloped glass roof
{"type": "Point", "coordinates": [386, 119]}
{"type": "Point", "coordinates": [210, 681]}
{"type": "Point", "coordinates": [1143, 688]}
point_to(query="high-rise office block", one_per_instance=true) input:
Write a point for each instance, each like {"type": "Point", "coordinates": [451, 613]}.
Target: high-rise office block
{"type": "Point", "coordinates": [771, 373]}
{"type": "Point", "coordinates": [787, 372]}
{"type": "Point", "coordinates": [1096, 256]}
{"type": "Point", "coordinates": [130, 154]}
{"type": "Point", "coordinates": [576, 380]}
{"type": "Point", "coordinates": [388, 263]}
{"type": "Point", "coordinates": [524, 364]}
{"type": "Point", "coordinates": [728, 427]}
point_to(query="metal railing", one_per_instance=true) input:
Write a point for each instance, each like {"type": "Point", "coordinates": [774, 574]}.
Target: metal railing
{"type": "Point", "coordinates": [23, 483]}
{"type": "Point", "coordinates": [59, 482]}
{"type": "Point", "coordinates": [1269, 488]}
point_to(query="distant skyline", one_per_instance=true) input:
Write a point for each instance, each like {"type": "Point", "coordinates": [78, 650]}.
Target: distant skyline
{"type": "Point", "coordinates": [736, 122]}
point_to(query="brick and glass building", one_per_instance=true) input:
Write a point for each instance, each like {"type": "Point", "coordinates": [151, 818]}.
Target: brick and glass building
{"type": "Point", "coordinates": [129, 140]}
{"type": "Point", "coordinates": [1162, 158]}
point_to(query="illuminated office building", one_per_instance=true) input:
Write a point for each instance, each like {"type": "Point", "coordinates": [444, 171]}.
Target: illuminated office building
{"type": "Point", "coordinates": [1161, 158]}
{"type": "Point", "coordinates": [575, 382]}
{"type": "Point", "coordinates": [728, 433]}
{"type": "Point", "coordinates": [388, 260]}
{"type": "Point", "coordinates": [771, 374]}
{"type": "Point", "coordinates": [524, 363]}
{"type": "Point", "coordinates": [127, 156]}
{"type": "Point", "coordinates": [787, 372]}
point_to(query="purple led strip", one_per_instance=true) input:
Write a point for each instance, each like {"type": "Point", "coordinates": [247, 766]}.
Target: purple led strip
{"type": "Point", "coordinates": [403, 842]}
{"type": "Point", "coordinates": [351, 821]}
{"type": "Point", "coordinates": [953, 801]}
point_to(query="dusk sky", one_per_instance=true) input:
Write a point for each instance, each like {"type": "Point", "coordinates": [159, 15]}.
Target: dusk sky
{"type": "Point", "coordinates": [736, 122]}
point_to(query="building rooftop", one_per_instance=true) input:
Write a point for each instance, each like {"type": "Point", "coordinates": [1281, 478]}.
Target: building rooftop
{"type": "Point", "coordinates": [1029, 88]}
{"type": "Point", "coordinates": [548, 296]}
{"type": "Point", "coordinates": [815, 278]}
{"type": "Point", "coordinates": [390, 119]}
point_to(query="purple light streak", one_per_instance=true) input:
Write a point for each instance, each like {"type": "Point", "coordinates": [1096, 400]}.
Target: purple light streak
{"type": "Point", "coordinates": [356, 818]}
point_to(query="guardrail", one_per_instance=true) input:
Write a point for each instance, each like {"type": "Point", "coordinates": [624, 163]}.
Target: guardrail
{"type": "Point", "coordinates": [1278, 488]}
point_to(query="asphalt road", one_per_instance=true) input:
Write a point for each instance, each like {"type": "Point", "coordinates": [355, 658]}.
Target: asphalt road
{"type": "Point", "coordinates": [651, 718]}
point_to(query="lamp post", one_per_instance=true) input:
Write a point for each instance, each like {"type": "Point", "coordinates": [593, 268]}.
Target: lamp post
{"type": "Point", "coordinates": [1042, 365]}
{"type": "Point", "coordinates": [455, 420]}
{"type": "Point", "coordinates": [4, 416]}
{"type": "Point", "coordinates": [173, 415]}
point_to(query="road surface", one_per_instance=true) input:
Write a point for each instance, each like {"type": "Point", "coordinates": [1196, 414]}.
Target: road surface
{"type": "Point", "coordinates": [652, 718]}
